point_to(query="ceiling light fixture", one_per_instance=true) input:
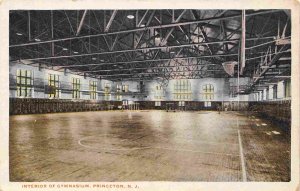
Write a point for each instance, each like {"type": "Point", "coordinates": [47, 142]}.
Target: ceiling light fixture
{"type": "Point", "coordinates": [75, 52]}
{"type": "Point", "coordinates": [130, 16]}
{"type": "Point", "coordinates": [94, 58]}
{"type": "Point", "coordinates": [37, 39]}
{"type": "Point", "coordinates": [64, 49]}
{"type": "Point", "coordinates": [142, 25]}
{"type": "Point", "coordinates": [19, 34]}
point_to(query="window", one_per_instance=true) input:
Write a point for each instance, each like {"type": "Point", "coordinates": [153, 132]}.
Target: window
{"type": "Point", "coordinates": [287, 88]}
{"type": "Point", "coordinates": [208, 92]}
{"type": "Point", "coordinates": [125, 88]}
{"type": "Point", "coordinates": [158, 92]}
{"type": "Point", "coordinates": [75, 88]}
{"type": "Point", "coordinates": [118, 88]}
{"type": "Point", "coordinates": [275, 92]}
{"type": "Point", "coordinates": [182, 90]}
{"type": "Point", "coordinates": [207, 104]}
{"type": "Point", "coordinates": [53, 82]}
{"type": "Point", "coordinates": [267, 93]}
{"type": "Point", "coordinates": [157, 103]}
{"type": "Point", "coordinates": [107, 94]}
{"type": "Point", "coordinates": [181, 104]}
{"type": "Point", "coordinates": [93, 89]}
{"type": "Point", "coordinates": [255, 97]}
{"type": "Point", "coordinates": [24, 83]}
{"type": "Point", "coordinates": [119, 96]}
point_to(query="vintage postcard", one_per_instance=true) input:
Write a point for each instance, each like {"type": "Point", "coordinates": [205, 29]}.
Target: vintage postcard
{"type": "Point", "coordinates": [149, 95]}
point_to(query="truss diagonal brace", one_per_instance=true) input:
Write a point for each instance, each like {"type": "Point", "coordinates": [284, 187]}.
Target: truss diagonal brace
{"type": "Point", "coordinates": [81, 23]}
{"type": "Point", "coordinates": [172, 29]}
{"type": "Point", "coordinates": [110, 20]}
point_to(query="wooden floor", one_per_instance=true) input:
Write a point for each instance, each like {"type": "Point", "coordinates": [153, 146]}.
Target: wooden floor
{"type": "Point", "coordinates": [147, 146]}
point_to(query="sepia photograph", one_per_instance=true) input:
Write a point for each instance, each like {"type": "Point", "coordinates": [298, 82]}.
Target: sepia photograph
{"type": "Point", "coordinates": [109, 98]}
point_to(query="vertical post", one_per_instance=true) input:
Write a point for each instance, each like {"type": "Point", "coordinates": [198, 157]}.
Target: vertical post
{"type": "Point", "coordinates": [52, 34]}
{"type": "Point", "coordinates": [243, 42]}
{"type": "Point", "coordinates": [29, 27]}
{"type": "Point", "coordinates": [173, 16]}
{"type": "Point", "coordinates": [136, 18]}
{"type": "Point", "coordinates": [104, 19]}
{"type": "Point", "coordinates": [132, 44]}
{"type": "Point", "coordinates": [89, 32]}
{"type": "Point", "coordinates": [222, 101]}
{"type": "Point", "coordinates": [238, 84]}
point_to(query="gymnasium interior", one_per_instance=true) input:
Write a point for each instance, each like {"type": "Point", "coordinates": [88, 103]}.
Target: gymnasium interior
{"type": "Point", "coordinates": [181, 95]}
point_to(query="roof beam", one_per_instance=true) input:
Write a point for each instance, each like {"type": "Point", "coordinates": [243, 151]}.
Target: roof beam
{"type": "Point", "coordinates": [146, 28]}
{"type": "Point", "coordinates": [155, 67]}
{"type": "Point", "coordinates": [148, 60]}
{"type": "Point", "coordinates": [143, 73]}
{"type": "Point", "coordinates": [259, 57]}
{"type": "Point", "coordinates": [130, 50]}
{"type": "Point", "coordinates": [274, 59]}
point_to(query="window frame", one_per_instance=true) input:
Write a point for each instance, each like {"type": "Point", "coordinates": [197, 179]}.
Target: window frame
{"type": "Point", "coordinates": [208, 91]}
{"type": "Point", "coordinates": [93, 89]}
{"type": "Point", "coordinates": [125, 88]}
{"type": "Point", "coordinates": [157, 103]}
{"type": "Point", "coordinates": [182, 90]}
{"type": "Point", "coordinates": [25, 86]}
{"type": "Point", "coordinates": [53, 81]}
{"type": "Point", "coordinates": [107, 91]}
{"type": "Point", "coordinates": [76, 88]}
{"type": "Point", "coordinates": [158, 92]}
{"type": "Point", "coordinates": [275, 87]}
{"type": "Point", "coordinates": [287, 88]}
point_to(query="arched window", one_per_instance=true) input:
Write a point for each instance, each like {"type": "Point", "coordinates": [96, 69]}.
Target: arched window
{"type": "Point", "coordinates": [208, 92]}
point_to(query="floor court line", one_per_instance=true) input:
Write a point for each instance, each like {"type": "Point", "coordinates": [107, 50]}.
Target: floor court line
{"type": "Point", "coordinates": [147, 147]}
{"type": "Point", "coordinates": [244, 173]}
